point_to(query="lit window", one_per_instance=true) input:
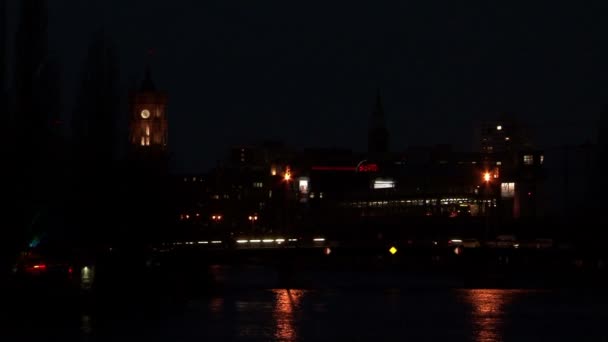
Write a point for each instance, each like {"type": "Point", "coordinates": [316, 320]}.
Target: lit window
{"type": "Point", "coordinates": [542, 159]}
{"type": "Point", "coordinates": [528, 159]}
{"type": "Point", "coordinates": [320, 195]}
{"type": "Point", "coordinates": [143, 141]}
{"type": "Point", "coordinates": [147, 141]}
{"type": "Point", "coordinates": [499, 128]}
{"type": "Point", "coordinates": [258, 184]}
{"type": "Point", "coordinates": [507, 138]}
{"type": "Point", "coordinates": [490, 148]}
{"type": "Point", "coordinates": [507, 190]}
{"type": "Point", "coordinates": [498, 163]}
{"type": "Point", "coordinates": [147, 130]}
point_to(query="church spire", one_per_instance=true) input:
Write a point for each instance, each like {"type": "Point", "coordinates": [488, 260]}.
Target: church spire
{"type": "Point", "coordinates": [147, 84]}
{"type": "Point", "coordinates": [378, 113]}
{"type": "Point", "coordinates": [377, 141]}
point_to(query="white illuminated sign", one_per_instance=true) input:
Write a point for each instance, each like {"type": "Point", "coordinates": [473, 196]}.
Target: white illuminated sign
{"type": "Point", "coordinates": [303, 186]}
{"type": "Point", "coordinates": [384, 184]}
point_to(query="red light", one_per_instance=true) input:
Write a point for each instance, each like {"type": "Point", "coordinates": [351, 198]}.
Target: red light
{"type": "Point", "coordinates": [368, 168]}
{"type": "Point", "coordinates": [35, 268]}
{"type": "Point", "coordinates": [70, 270]}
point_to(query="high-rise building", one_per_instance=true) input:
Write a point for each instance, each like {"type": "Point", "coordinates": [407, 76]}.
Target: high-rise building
{"type": "Point", "coordinates": [503, 135]}
{"type": "Point", "coordinates": [378, 136]}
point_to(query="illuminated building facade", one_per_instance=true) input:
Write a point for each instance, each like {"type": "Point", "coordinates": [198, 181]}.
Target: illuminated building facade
{"type": "Point", "coordinates": [333, 189]}
{"type": "Point", "coordinates": [148, 124]}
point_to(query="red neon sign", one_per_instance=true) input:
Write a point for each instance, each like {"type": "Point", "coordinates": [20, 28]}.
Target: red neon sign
{"type": "Point", "coordinates": [368, 168]}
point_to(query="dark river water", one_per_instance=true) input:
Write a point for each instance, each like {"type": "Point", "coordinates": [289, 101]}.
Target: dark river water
{"type": "Point", "coordinates": [346, 314]}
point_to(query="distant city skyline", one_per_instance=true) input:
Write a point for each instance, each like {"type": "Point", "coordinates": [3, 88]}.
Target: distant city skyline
{"type": "Point", "coordinates": [240, 72]}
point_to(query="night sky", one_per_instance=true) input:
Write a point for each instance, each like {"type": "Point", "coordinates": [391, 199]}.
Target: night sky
{"type": "Point", "coordinates": [239, 71]}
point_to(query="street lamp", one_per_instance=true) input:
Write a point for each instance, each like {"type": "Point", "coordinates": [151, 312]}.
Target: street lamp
{"type": "Point", "coordinates": [287, 178]}
{"type": "Point", "coordinates": [487, 177]}
{"type": "Point", "coordinates": [252, 219]}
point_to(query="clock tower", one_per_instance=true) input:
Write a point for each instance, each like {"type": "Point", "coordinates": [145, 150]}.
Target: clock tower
{"type": "Point", "coordinates": [148, 124]}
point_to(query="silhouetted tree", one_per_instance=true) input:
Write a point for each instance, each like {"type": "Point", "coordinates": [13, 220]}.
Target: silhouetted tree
{"type": "Point", "coordinates": [97, 106]}
{"type": "Point", "coordinates": [36, 109]}
{"type": "Point", "coordinates": [3, 57]}
{"type": "Point", "coordinates": [31, 65]}
{"type": "Point", "coordinates": [94, 134]}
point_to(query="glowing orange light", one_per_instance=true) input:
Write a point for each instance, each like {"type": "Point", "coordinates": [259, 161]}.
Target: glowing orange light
{"type": "Point", "coordinates": [287, 176]}
{"type": "Point", "coordinates": [487, 177]}
{"type": "Point", "coordinates": [250, 218]}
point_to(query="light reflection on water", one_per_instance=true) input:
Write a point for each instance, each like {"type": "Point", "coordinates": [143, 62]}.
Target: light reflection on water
{"type": "Point", "coordinates": [395, 314]}
{"type": "Point", "coordinates": [287, 303]}
{"type": "Point", "coordinates": [488, 312]}
{"type": "Point", "coordinates": [216, 305]}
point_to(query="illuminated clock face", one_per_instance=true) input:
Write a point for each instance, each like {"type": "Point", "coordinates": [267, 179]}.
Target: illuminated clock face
{"type": "Point", "coordinates": [145, 114]}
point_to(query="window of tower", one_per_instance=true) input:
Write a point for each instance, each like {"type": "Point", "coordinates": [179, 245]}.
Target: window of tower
{"type": "Point", "coordinates": [147, 130]}
{"type": "Point", "coordinates": [143, 141]}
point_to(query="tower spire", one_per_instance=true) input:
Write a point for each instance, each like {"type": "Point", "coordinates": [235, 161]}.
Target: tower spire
{"type": "Point", "coordinates": [378, 110]}
{"type": "Point", "coordinates": [377, 141]}
{"type": "Point", "coordinates": [147, 84]}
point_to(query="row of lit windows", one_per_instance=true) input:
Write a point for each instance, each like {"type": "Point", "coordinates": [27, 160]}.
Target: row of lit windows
{"type": "Point", "coordinates": [529, 159]}
{"type": "Point", "coordinates": [193, 179]}
{"type": "Point", "coordinates": [215, 218]}
{"type": "Point", "coordinates": [421, 202]}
